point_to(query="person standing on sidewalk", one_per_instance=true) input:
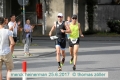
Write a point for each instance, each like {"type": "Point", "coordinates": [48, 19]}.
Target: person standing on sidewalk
{"type": "Point", "coordinates": [74, 40]}
{"type": "Point", "coordinates": [68, 22]}
{"type": "Point", "coordinates": [13, 26]}
{"type": "Point", "coordinates": [28, 29]}
{"type": "Point", "coordinates": [61, 29]}
{"type": "Point", "coordinates": [6, 39]}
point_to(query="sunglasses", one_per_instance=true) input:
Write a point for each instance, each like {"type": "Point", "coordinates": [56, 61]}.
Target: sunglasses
{"type": "Point", "coordinates": [59, 16]}
{"type": "Point", "coordinates": [74, 18]}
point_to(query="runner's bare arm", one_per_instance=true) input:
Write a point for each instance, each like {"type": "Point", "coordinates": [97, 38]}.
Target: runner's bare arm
{"type": "Point", "coordinates": [80, 30]}
{"type": "Point", "coordinates": [67, 28]}
{"type": "Point", "coordinates": [52, 29]}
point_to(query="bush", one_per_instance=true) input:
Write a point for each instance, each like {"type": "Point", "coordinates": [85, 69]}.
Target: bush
{"type": "Point", "coordinates": [114, 25]}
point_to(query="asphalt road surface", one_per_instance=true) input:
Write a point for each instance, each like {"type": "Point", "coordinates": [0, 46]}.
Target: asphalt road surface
{"type": "Point", "coordinates": [92, 56]}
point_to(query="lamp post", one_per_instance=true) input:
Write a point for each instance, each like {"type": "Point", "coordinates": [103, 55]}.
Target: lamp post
{"type": "Point", "coordinates": [23, 13]}
{"type": "Point", "coordinates": [75, 6]}
{"type": "Point", "coordinates": [23, 3]}
{"type": "Point", "coordinates": [43, 22]}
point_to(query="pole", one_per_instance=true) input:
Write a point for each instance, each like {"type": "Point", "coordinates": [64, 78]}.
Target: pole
{"type": "Point", "coordinates": [23, 13]}
{"type": "Point", "coordinates": [75, 6]}
{"type": "Point", "coordinates": [24, 64]}
{"type": "Point", "coordinates": [43, 22]}
{"type": "Point", "coordinates": [24, 69]}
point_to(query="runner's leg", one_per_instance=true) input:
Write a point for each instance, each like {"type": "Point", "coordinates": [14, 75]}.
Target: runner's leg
{"type": "Point", "coordinates": [58, 57]}
{"type": "Point", "coordinates": [57, 45]}
{"type": "Point", "coordinates": [63, 46]}
{"type": "Point", "coordinates": [71, 51]}
{"type": "Point", "coordinates": [63, 56]}
{"type": "Point", "coordinates": [76, 47]}
{"type": "Point", "coordinates": [71, 54]}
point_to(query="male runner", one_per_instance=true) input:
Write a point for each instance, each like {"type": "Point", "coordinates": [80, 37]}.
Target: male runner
{"type": "Point", "coordinates": [61, 29]}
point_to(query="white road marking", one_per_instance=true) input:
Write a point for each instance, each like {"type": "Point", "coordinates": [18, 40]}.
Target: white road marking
{"type": "Point", "coordinates": [16, 61]}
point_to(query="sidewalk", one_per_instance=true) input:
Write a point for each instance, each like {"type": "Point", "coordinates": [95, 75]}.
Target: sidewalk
{"type": "Point", "coordinates": [86, 38]}
{"type": "Point", "coordinates": [35, 50]}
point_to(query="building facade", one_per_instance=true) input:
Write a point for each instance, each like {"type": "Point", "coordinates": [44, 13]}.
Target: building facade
{"type": "Point", "coordinates": [103, 11]}
{"type": "Point", "coordinates": [52, 7]}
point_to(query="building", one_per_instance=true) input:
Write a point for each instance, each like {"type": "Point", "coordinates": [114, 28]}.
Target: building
{"type": "Point", "coordinates": [103, 11]}
{"type": "Point", "coordinates": [53, 7]}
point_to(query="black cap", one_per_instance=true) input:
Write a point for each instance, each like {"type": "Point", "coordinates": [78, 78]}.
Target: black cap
{"type": "Point", "coordinates": [74, 16]}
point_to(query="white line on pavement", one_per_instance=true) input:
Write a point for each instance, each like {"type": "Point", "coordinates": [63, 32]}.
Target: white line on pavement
{"type": "Point", "coordinates": [16, 61]}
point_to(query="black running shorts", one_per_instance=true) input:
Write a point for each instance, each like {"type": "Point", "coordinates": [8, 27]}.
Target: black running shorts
{"type": "Point", "coordinates": [61, 43]}
{"type": "Point", "coordinates": [72, 44]}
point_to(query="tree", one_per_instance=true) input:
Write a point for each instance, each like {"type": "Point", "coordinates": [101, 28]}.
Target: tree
{"type": "Point", "coordinates": [90, 9]}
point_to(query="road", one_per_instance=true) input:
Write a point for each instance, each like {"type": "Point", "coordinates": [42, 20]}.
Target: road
{"type": "Point", "coordinates": [92, 56]}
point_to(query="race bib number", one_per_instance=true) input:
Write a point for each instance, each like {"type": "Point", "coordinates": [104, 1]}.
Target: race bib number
{"type": "Point", "coordinates": [74, 41]}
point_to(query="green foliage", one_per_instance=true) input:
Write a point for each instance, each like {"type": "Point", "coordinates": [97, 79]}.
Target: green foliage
{"type": "Point", "coordinates": [114, 25]}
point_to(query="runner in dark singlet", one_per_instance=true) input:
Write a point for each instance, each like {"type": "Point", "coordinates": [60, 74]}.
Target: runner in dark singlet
{"type": "Point", "coordinates": [61, 29]}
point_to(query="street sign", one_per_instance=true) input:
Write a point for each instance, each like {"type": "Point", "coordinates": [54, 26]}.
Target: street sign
{"type": "Point", "coordinates": [21, 2]}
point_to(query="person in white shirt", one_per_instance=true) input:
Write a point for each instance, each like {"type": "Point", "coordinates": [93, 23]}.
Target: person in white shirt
{"type": "Point", "coordinates": [6, 39]}
{"type": "Point", "coordinates": [13, 26]}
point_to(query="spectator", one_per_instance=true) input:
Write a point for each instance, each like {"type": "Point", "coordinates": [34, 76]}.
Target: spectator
{"type": "Point", "coordinates": [28, 37]}
{"type": "Point", "coordinates": [5, 52]}
{"type": "Point", "coordinates": [13, 26]}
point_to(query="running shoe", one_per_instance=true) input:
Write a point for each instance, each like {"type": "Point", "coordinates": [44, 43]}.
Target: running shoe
{"type": "Point", "coordinates": [71, 60]}
{"type": "Point", "coordinates": [59, 68]}
{"type": "Point", "coordinates": [74, 68]}
{"type": "Point", "coordinates": [63, 60]}
{"type": "Point", "coordinates": [14, 56]}
{"type": "Point", "coordinates": [28, 54]}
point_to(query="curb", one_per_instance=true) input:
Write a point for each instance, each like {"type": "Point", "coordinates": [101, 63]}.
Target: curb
{"type": "Point", "coordinates": [87, 38]}
{"type": "Point", "coordinates": [34, 56]}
